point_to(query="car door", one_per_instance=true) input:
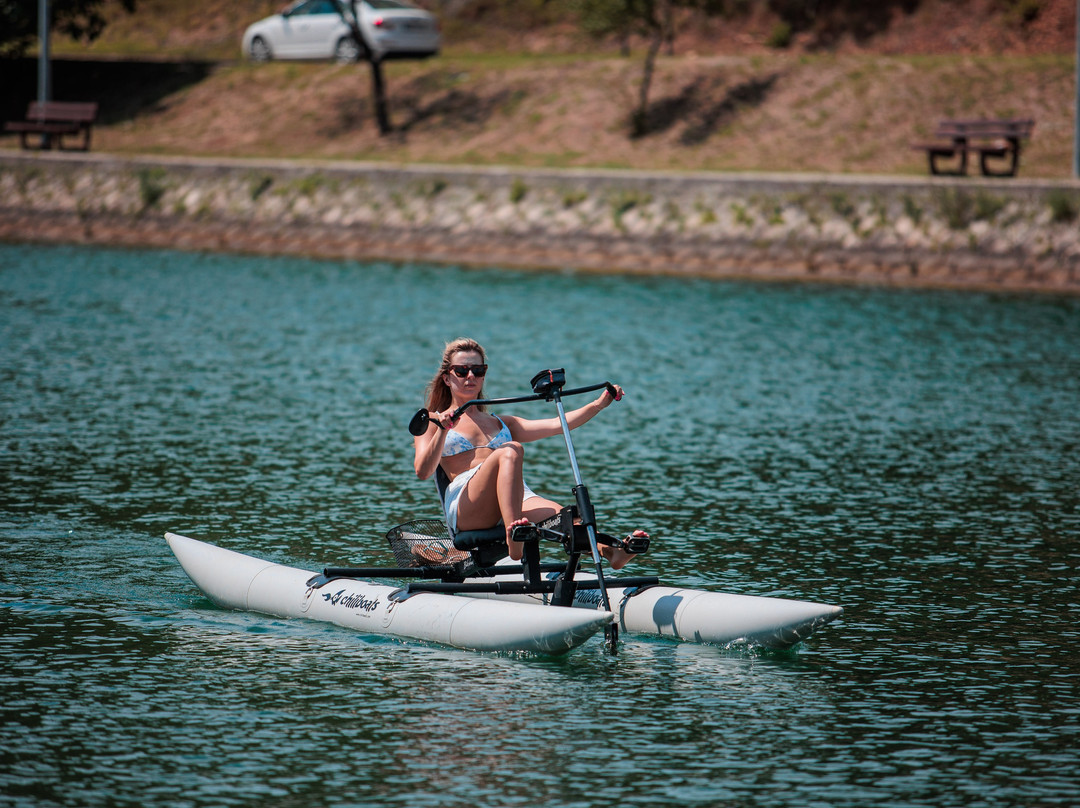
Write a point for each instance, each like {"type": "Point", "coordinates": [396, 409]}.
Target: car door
{"type": "Point", "coordinates": [323, 31]}
{"type": "Point", "coordinates": [299, 31]}
{"type": "Point", "coordinates": [283, 34]}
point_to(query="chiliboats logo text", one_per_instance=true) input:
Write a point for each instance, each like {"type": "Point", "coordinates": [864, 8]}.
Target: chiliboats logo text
{"type": "Point", "coordinates": [352, 600]}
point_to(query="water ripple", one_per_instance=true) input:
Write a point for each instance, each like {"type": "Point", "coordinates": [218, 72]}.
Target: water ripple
{"type": "Point", "coordinates": [909, 455]}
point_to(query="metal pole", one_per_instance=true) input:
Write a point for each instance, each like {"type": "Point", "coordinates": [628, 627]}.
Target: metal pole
{"type": "Point", "coordinates": [1076, 107]}
{"type": "Point", "coordinates": [590, 529]}
{"type": "Point", "coordinates": [44, 92]}
{"type": "Point", "coordinates": [44, 71]}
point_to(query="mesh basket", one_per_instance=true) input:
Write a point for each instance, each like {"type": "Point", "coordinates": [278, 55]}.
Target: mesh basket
{"type": "Point", "coordinates": [424, 543]}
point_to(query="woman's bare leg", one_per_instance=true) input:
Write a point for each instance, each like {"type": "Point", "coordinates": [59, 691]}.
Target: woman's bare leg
{"type": "Point", "coordinates": [494, 493]}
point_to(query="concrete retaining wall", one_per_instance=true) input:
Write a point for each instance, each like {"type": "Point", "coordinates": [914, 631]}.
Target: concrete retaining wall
{"type": "Point", "coordinates": [959, 232]}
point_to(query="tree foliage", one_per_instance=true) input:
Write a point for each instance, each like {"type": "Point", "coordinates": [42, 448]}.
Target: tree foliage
{"type": "Point", "coordinates": [645, 17]}
{"type": "Point", "coordinates": [824, 22]}
{"type": "Point", "coordinates": [828, 21]}
{"type": "Point", "coordinates": [79, 19]}
{"type": "Point", "coordinates": [654, 21]}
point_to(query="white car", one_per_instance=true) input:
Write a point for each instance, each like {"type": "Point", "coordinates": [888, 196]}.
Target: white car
{"type": "Point", "coordinates": [313, 29]}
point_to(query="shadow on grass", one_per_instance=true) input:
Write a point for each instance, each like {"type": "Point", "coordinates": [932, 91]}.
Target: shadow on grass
{"type": "Point", "coordinates": [124, 88]}
{"type": "Point", "coordinates": [431, 102]}
{"type": "Point", "coordinates": [697, 108]}
{"type": "Point", "coordinates": [456, 108]}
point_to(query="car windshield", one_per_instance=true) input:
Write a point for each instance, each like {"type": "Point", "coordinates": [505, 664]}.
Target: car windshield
{"type": "Point", "coordinates": [387, 4]}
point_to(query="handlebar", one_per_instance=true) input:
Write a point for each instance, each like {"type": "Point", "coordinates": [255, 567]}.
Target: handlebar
{"type": "Point", "coordinates": [535, 397]}
{"type": "Point", "coordinates": [419, 423]}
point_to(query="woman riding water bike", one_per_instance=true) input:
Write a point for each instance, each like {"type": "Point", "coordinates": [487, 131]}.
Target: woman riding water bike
{"type": "Point", "coordinates": [482, 455]}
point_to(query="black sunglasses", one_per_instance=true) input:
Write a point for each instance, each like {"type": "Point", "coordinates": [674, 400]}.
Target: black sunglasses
{"type": "Point", "coordinates": [461, 371]}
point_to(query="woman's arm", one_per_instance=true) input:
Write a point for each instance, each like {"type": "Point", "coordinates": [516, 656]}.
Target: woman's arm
{"type": "Point", "coordinates": [525, 430]}
{"type": "Point", "coordinates": [429, 446]}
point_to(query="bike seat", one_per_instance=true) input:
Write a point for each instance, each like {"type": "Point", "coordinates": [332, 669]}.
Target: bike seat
{"type": "Point", "coordinates": [476, 539]}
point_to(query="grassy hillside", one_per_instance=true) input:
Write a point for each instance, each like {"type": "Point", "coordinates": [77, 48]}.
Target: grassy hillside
{"type": "Point", "coordinates": [211, 29]}
{"type": "Point", "coordinates": [544, 96]}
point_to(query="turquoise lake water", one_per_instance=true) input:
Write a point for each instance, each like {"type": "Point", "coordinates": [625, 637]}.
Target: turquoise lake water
{"type": "Point", "coordinates": [913, 456]}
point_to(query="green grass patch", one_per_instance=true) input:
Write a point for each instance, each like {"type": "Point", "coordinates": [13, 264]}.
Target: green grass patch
{"type": "Point", "coordinates": [152, 186]}
{"type": "Point", "coordinates": [742, 215]}
{"type": "Point", "coordinates": [957, 207]}
{"type": "Point", "coordinates": [1064, 205]}
{"type": "Point", "coordinates": [625, 201]}
{"type": "Point", "coordinates": [518, 190]}
{"type": "Point", "coordinates": [571, 199]}
{"type": "Point", "coordinates": [260, 185]}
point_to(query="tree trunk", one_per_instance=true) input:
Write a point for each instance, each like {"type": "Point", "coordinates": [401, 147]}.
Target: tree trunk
{"type": "Point", "coordinates": [668, 17]}
{"type": "Point", "coordinates": [641, 117]}
{"type": "Point", "coordinates": [378, 91]}
{"type": "Point", "coordinates": [378, 83]}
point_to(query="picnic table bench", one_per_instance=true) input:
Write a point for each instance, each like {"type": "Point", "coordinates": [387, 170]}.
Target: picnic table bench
{"type": "Point", "coordinates": [54, 119]}
{"type": "Point", "coordinates": [993, 140]}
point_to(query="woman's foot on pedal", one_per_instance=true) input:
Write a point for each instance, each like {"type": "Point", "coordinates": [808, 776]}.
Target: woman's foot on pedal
{"type": "Point", "coordinates": [618, 556]}
{"type": "Point", "coordinates": [515, 546]}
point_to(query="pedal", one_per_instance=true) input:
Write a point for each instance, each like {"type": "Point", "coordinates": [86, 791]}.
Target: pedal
{"type": "Point", "coordinates": [524, 533]}
{"type": "Point", "coordinates": [638, 545]}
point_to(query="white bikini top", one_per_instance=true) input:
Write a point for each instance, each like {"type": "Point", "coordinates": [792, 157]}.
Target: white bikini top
{"type": "Point", "coordinates": [456, 443]}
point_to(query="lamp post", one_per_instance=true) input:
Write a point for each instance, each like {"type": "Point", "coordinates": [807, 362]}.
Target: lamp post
{"type": "Point", "coordinates": [44, 89]}
{"type": "Point", "coordinates": [44, 69]}
{"type": "Point", "coordinates": [1076, 106]}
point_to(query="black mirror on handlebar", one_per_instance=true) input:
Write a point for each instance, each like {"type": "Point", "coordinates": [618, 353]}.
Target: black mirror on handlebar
{"type": "Point", "coordinates": [547, 382]}
{"type": "Point", "coordinates": [419, 423]}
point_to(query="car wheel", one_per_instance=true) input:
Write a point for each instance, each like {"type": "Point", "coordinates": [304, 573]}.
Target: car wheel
{"type": "Point", "coordinates": [260, 51]}
{"type": "Point", "coordinates": [348, 50]}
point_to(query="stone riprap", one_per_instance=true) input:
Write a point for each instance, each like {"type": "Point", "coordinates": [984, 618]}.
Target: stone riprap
{"type": "Point", "coordinates": [957, 232]}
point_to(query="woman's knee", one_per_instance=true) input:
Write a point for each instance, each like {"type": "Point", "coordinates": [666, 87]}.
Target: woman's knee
{"type": "Point", "coordinates": [512, 452]}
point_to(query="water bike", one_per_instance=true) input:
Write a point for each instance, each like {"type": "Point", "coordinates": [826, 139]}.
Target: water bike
{"type": "Point", "coordinates": [465, 592]}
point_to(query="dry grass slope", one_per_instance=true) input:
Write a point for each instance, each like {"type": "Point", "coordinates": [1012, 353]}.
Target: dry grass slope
{"type": "Point", "coordinates": [725, 101]}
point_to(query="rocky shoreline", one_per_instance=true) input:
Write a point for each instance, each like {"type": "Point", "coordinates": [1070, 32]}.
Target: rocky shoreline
{"type": "Point", "coordinates": [949, 232]}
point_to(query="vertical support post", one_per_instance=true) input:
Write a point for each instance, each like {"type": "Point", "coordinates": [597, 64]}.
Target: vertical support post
{"type": "Point", "coordinates": [44, 93]}
{"type": "Point", "coordinates": [44, 68]}
{"type": "Point", "coordinates": [588, 518]}
{"type": "Point", "coordinates": [1076, 106]}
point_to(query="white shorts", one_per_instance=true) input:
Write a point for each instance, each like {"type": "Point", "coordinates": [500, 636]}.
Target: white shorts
{"type": "Point", "coordinates": [453, 496]}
